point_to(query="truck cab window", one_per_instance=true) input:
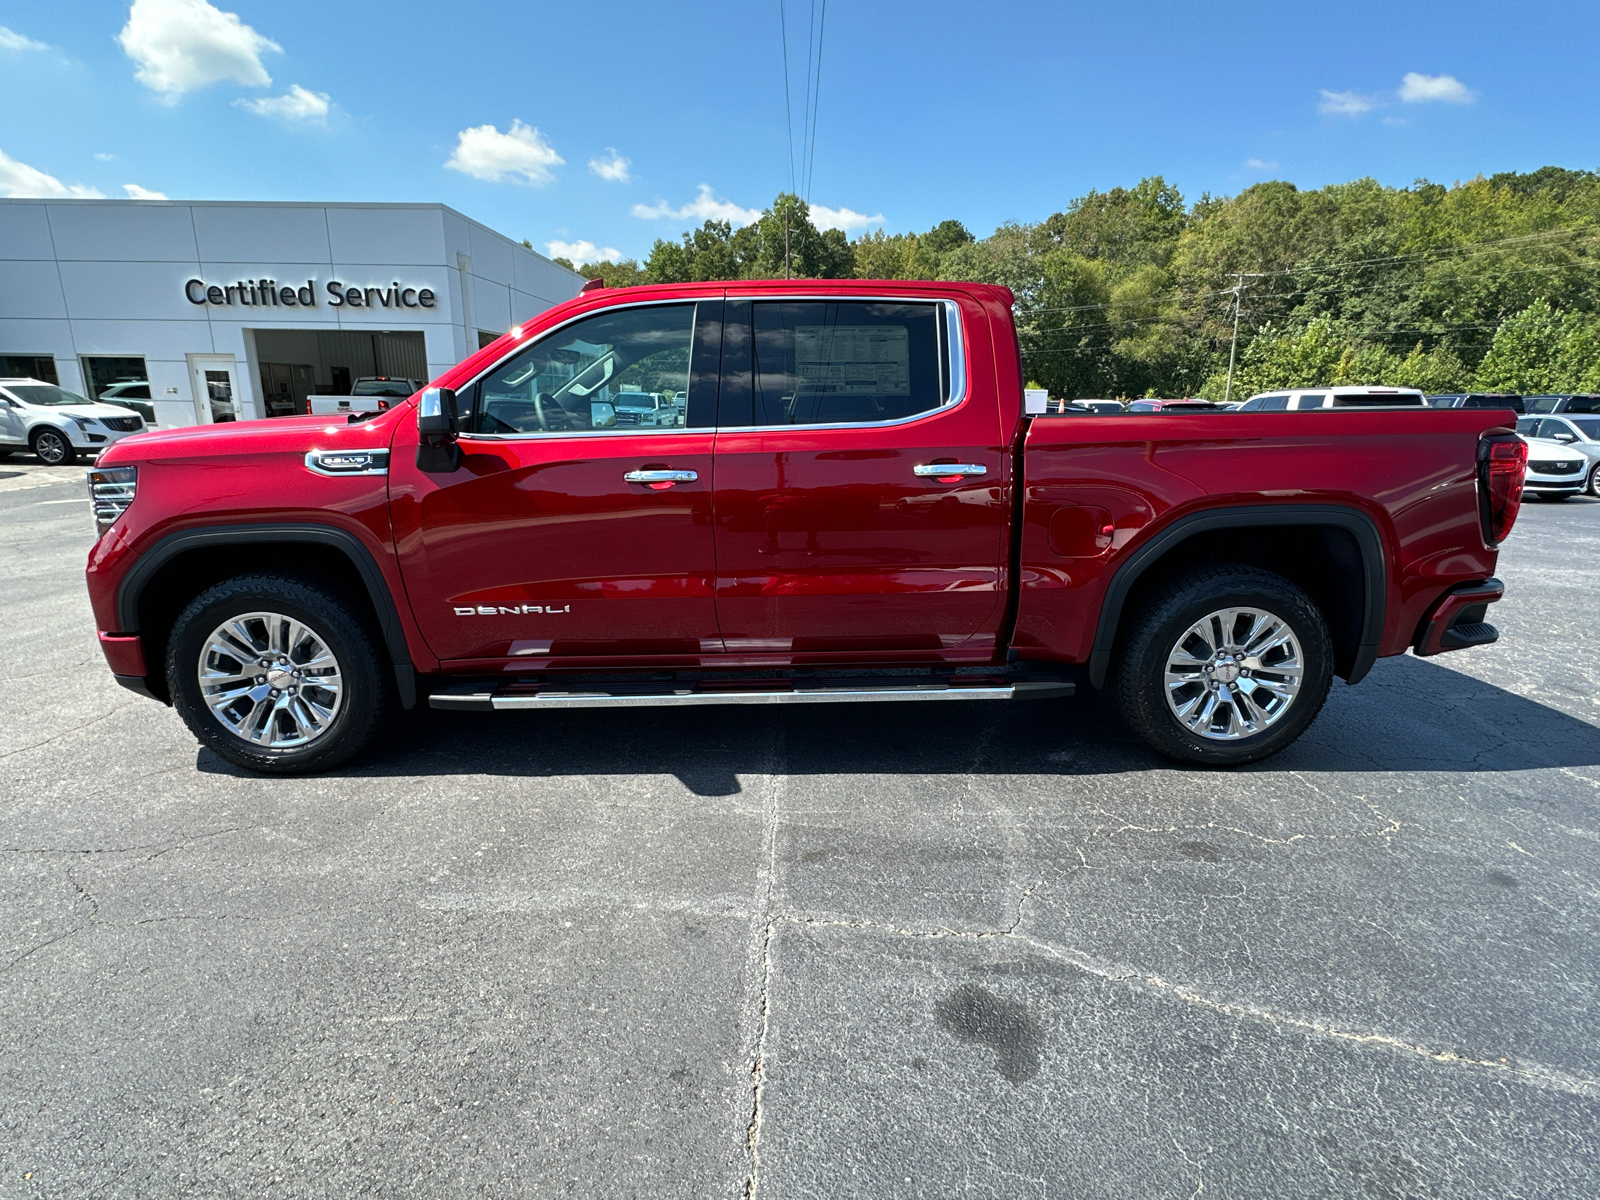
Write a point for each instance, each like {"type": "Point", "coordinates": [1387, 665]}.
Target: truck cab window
{"type": "Point", "coordinates": [622, 370]}
{"type": "Point", "coordinates": [846, 362]}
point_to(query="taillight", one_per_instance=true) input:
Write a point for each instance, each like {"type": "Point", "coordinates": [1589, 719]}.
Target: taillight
{"type": "Point", "coordinates": [1502, 465]}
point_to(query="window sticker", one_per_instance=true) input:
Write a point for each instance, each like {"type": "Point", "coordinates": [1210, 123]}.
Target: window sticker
{"type": "Point", "coordinates": [854, 359]}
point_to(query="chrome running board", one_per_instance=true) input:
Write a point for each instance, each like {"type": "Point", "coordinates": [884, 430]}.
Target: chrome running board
{"type": "Point", "coordinates": [555, 695]}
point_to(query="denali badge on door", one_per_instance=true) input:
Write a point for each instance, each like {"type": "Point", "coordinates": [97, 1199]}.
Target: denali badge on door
{"type": "Point", "coordinates": [513, 610]}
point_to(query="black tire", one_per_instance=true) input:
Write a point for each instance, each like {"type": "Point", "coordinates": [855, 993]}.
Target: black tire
{"type": "Point", "coordinates": [52, 447]}
{"type": "Point", "coordinates": [1138, 683]}
{"type": "Point", "coordinates": [1594, 482]}
{"type": "Point", "coordinates": [336, 619]}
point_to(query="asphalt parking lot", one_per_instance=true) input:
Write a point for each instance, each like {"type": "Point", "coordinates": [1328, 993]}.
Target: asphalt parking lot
{"type": "Point", "coordinates": [908, 951]}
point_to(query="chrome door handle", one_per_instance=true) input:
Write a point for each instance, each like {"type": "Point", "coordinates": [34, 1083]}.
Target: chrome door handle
{"type": "Point", "coordinates": [661, 476]}
{"type": "Point", "coordinates": [939, 470]}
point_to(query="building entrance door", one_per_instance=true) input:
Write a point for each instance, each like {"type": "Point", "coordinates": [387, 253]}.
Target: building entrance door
{"type": "Point", "coordinates": [217, 398]}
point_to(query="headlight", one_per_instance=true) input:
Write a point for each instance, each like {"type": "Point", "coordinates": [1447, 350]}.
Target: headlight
{"type": "Point", "coordinates": [111, 491]}
{"type": "Point", "coordinates": [81, 422]}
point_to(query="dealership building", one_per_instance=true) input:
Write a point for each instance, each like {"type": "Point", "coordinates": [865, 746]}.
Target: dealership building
{"type": "Point", "coordinates": [239, 310]}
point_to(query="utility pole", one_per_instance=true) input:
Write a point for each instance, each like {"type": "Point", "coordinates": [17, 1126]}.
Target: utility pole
{"type": "Point", "coordinates": [1233, 347]}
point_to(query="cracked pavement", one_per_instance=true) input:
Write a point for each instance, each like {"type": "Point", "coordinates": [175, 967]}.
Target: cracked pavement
{"type": "Point", "coordinates": [806, 953]}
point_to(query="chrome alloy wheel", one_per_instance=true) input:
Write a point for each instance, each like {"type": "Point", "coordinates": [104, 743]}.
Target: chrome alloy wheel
{"type": "Point", "coordinates": [271, 680]}
{"type": "Point", "coordinates": [1233, 674]}
{"type": "Point", "coordinates": [51, 448]}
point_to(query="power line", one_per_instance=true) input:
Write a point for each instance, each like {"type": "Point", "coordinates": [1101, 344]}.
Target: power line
{"type": "Point", "coordinates": [788, 109]}
{"type": "Point", "coordinates": [1458, 251]}
{"type": "Point", "coordinates": [816, 101]}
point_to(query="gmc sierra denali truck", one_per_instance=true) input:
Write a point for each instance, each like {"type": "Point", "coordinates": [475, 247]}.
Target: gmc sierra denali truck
{"type": "Point", "coordinates": [847, 503]}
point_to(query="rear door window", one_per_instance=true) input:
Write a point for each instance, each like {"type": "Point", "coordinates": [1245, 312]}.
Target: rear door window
{"type": "Point", "coordinates": [838, 362]}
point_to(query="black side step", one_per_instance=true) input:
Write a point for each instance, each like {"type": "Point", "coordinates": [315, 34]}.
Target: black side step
{"type": "Point", "coordinates": [550, 694]}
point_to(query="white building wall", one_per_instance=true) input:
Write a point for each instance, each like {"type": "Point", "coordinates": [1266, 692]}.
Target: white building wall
{"type": "Point", "coordinates": [107, 277]}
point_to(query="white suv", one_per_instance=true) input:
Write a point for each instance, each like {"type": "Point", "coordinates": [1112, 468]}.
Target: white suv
{"type": "Point", "coordinates": [1294, 399]}
{"type": "Point", "coordinates": [58, 425]}
{"type": "Point", "coordinates": [1579, 434]}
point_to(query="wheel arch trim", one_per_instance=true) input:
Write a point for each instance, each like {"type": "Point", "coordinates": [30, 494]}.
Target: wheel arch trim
{"type": "Point", "coordinates": [1358, 524]}
{"type": "Point", "coordinates": [169, 547]}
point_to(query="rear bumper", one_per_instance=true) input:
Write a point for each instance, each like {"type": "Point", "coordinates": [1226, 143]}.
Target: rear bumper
{"type": "Point", "coordinates": [1456, 621]}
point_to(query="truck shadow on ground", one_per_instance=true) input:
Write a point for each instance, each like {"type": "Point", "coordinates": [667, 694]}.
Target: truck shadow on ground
{"type": "Point", "coordinates": [1408, 715]}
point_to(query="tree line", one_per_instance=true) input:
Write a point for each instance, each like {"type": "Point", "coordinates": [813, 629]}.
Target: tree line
{"type": "Point", "coordinates": [1489, 284]}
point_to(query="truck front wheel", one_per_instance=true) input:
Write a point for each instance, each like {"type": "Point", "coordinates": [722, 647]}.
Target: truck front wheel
{"type": "Point", "coordinates": [1227, 665]}
{"type": "Point", "coordinates": [277, 674]}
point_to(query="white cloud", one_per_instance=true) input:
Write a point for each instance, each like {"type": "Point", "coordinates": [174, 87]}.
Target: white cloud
{"type": "Point", "coordinates": [613, 167]}
{"type": "Point", "coordinates": [704, 207]}
{"type": "Point", "coordinates": [297, 104]}
{"type": "Point", "coordinates": [842, 218]}
{"type": "Point", "coordinates": [1396, 121]}
{"type": "Point", "coordinates": [135, 192]}
{"type": "Point", "coordinates": [11, 40]}
{"type": "Point", "coordinates": [1261, 164]}
{"type": "Point", "coordinates": [181, 45]}
{"type": "Point", "coordinates": [102, 156]}
{"type": "Point", "coordinates": [21, 180]}
{"type": "Point", "coordinates": [1416, 88]}
{"type": "Point", "coordinates": [582, 252]}
{"type": "Point", "coordinates": [485, 153]}
{"type": "Point", "coordinates": [1346, 104]}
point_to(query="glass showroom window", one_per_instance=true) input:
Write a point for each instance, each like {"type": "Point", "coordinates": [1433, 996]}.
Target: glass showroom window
{"type": "Point", "coordinates": [102, 373]}
{"type": "Point", "coordinates": [29, 366]}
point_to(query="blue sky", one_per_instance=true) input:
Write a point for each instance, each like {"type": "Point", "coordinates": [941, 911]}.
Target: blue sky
{"type": "Point", "coordinates": [613, 123]}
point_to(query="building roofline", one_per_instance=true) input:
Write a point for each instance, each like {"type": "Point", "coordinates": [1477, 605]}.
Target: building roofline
{"type": "Point", "coordinates": [433, 204]}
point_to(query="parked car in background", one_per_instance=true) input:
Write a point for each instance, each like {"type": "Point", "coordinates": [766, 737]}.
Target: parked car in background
{"type": "Point", "coordinates": [1101, 406]}
{"type": "Point", "coordinates": [1556, 471]}
{"type": "Point", "coordinates": [1568, 403]}
{"type": "Point", "coordinates": [1580, 433]}
{"type": "Point", "coordinates": [1478, 400]}
{"type": "Point", "coordinates": [1193, 404]}
{"type": "Point", "coordinates": [1295, 399]}
{"type": "Point", "coordinates": [132, 394]}
{"type": "Point", "coordinates": [371, 393]}
{"type": "Point", "coordinates": [58, 425]}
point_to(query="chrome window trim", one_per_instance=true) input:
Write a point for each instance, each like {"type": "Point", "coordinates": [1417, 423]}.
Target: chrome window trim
{"type": "Point", "coordinates": [630, 431]}
{"type": "Point", "coordinates": [954, 347]}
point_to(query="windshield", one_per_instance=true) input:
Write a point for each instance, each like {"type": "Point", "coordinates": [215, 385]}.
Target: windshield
{"type": "Point", "coordinates": [45, 395]}
{"type": "Point", "coordinates": [382, 387]}
{"type": "Point", "coordinates": [1588, 426]}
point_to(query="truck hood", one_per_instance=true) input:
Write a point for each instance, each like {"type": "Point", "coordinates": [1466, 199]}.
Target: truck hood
{"type": "Point", "coordinates": [243, 439]}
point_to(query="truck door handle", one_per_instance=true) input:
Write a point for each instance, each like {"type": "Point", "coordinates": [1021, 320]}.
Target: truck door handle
{"type": "Point", "coordinates": [948, 470]}
{"type": "Point", "coordinates": [657, 480]}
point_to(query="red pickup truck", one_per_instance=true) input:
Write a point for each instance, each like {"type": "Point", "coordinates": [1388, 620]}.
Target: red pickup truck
{"type": "Point", "coordinates": [823, 491]}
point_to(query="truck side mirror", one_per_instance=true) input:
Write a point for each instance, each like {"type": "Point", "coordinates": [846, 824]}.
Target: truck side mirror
{"type": "Point", "coordinates": [438, 424]}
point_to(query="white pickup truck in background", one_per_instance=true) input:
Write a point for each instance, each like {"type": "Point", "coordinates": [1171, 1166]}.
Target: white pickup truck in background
{"type": "Point", "coordinates": [371, 393]}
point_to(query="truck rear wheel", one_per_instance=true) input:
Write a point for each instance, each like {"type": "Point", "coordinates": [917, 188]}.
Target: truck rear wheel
{"type": "Point", "coordinates": [1228, 665]}
{"type": "Point", "coordinates": [277, 674]}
